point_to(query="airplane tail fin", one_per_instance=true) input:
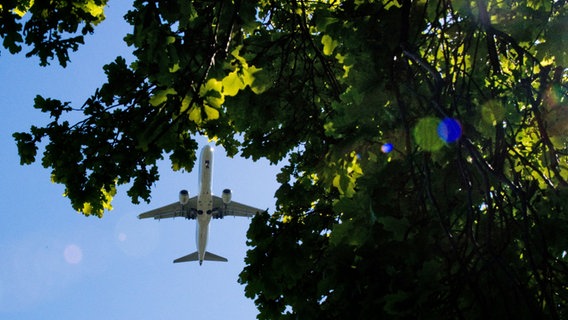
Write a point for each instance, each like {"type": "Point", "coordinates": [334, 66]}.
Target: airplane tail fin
{"type": "Point", "coordinates": [195, 257]}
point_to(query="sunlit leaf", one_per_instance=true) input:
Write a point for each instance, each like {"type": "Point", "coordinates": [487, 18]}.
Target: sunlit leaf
{"type": "Point", "coordinates": [232, 83]}
{"type": "Point", "coordinates": [328, 44]}
{"type": "Point", "coordinates": [212, 113]}
{"type": "Point", "coordinates": [161, 96]}
{"type": "Point", "coordinates": [195, 114]}
{"type": "Point", "coordinates": [212, 92]}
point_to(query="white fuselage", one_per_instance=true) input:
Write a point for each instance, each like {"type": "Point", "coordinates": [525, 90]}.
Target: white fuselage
{"type": "Point", "coordinates": [204, 200]}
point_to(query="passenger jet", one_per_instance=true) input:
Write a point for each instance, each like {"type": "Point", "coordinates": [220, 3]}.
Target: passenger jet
{"type": "Point", "coordinates": [202, 207]}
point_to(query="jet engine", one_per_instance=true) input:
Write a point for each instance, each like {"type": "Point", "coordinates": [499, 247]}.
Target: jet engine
{"type": "Point", "coordinates": [183, 197]}
{"type": "Point", "coordinates": [226, 196]}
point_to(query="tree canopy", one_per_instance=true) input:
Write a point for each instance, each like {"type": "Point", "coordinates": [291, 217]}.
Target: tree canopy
{"type": "Point", "coordinates": [424, 142]}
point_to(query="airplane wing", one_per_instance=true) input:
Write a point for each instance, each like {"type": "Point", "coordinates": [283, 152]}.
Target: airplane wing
{"type": "Point", "coordinates": [234, 208]}
{"type": "Point", "coordinates": [173, 210]}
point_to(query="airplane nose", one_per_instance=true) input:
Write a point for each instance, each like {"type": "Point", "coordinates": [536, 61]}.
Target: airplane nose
{"type": "Point", "coordinates": [206, 151]}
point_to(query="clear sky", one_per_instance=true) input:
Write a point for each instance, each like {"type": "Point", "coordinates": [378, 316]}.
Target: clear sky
{"type": "Point", "coordinates": [58, 264]}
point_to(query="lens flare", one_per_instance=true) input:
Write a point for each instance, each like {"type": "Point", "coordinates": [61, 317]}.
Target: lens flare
{"type": "Point", "coordinates": [449, 130]}
{"type": "Point", "coordinates": [387, 147]}
{"type": "Point", "coordinates": [73, 254]}
{"type": "Point", "coordinates": [426, 134]}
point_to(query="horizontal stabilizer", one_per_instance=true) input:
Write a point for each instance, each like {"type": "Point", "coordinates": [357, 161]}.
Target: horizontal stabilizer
{"type": "Point", "coordinates": [213, 257]}
{"type": "Point", "coordinates": [194, 257]}
{"type": "Point", "coordinates": [189, 257]}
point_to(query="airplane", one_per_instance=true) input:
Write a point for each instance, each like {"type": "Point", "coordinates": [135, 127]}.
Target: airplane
{"type": "Point", "coordinates": [202, 208]}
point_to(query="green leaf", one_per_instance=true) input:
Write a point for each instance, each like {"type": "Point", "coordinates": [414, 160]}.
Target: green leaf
{"type": "Point", "coordinates": [212, 93]}
{"type": "Point", "coordinates": [232, 83]}
{"type": "Point", "coordinates": [161, 96]}
{"type": "Point", "coordinates": [328, 44]}
{"type": "Point", "coordinates": [398, 227]}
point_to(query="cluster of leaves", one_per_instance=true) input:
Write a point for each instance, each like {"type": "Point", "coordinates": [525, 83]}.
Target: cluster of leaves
{"type": "Point", "coordinates": [469, 228]}
{"type": "Point", "coordinates": [52, 27]}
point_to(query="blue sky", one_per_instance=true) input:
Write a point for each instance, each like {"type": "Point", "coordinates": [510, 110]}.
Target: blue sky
{"type": "Point", "coordinates": [59, 264]}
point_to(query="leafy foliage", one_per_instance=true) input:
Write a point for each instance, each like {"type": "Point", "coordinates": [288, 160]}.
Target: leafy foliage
{"type": "Point", "coordinates": [435, 227]}
{"type": "Point", "coordinates": [51, 27]}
